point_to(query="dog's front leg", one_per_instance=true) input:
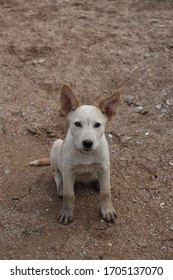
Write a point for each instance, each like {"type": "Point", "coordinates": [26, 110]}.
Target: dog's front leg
{"type": "Point", "coordinates": [66, 213]}
{"type": "Point", "coordinates": [107, 210]}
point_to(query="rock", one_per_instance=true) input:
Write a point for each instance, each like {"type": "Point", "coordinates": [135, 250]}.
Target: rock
{"type": "Point", "coordinates": [84, 253]}
{"type": "Point", "coordinates": [6, 171]}
{"type": "Point", "coordinates": [142, 243]}
{"type": "Point", "coordinates": [158, 106]}
{"type": "Point", "coordinates": [32, 129]}
{"type": "Point", "coordinates": [138, 109]}
{"type": "Point", "coordinates": [41, 60]}
{"type": "Point", "coordinates": [162, 204]}
{"type": "Point", "coordinates": [167, 102]}
{"type": "Point", "coordinates": [147, 133]}
{"type": "Point", "coordinates": [110, 136]}
{"type": "Point", "coordinates": [162, 108]}
{"type": "Point", "coordinates": [143, 112]}
{"type": "Point", "coordinates": [34, 61]}
{"type": "Point", "coordinates": [125, 138]}
{"type": "Point", "coordinates": [171, 163]}
{"type": "Point", "coordinates": [130, 100]}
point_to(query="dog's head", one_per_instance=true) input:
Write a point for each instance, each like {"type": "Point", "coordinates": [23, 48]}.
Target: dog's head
{"type": "Point", "coordinates": [87, 123]}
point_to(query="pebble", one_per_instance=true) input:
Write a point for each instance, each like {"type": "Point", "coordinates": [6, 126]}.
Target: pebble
{"type": "Point", "coordinates": [143, 112]}
{"type": "Point", "coordinates": [170, 163]}
{"type": "Point", "coordinates": [161, 108]}
{"type": "Point", "coordinates": [7, 171]}
{"type": "Point", "coordinates": [110, 136]}
{"type": "Point", "coordinates": [34, 61]}
{"type": "Point", "coordinates": [41, 60]}
{"type": "Point", "coordinates": [130, 100]}
{"type": "Point", "coordinates": [138, 109]}
{"type": "Point", "coordinates": [147, 133]}
{"type": "Point", "coordinates": [167, 102]}
{"type": "Point", "coordinates": [125, 138]}
{"type": "Point", "coordinates": [162, 204]}
{"type": "Point", "coordinates": [142, 243]}
{"type": "Point", "coordinates": [84, 253]}
{"type": "Point", "coordinates": [158, 106]}
{"type": "Point", "coordinates": [32, 129]}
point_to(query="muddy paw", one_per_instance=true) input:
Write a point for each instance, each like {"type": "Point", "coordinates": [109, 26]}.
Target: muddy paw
{"type": "Point", "coordinates": [65, 216]}
{"type": "Point", "coordinates": [108, 214]}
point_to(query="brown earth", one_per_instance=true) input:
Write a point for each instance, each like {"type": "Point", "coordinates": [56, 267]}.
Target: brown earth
{"type": "Point", "coordinates": [96, 47]}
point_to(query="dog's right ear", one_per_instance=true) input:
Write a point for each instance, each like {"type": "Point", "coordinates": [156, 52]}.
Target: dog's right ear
{"type": "Point", "coordinates": [69, 101]}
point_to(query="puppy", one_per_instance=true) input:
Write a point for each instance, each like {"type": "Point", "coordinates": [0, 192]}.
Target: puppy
{"type": "Point", "coordinates": [84, 155]}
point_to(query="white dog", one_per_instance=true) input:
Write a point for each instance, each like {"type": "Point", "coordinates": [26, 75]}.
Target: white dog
{"type": "Point", "coordinates": [84, 155]}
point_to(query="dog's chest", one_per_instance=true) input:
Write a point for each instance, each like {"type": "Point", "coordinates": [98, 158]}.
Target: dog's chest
{"type": "Point", "coordinates": [86, 172]}
{"type": "Point", "coordinates": [86, 165]}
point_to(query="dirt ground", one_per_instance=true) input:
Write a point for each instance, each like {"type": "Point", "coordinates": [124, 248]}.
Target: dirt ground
{"type": "Point", "coordinates": [96, 47]}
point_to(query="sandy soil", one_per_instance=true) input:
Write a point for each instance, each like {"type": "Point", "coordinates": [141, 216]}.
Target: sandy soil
{"type": "Point", "coordinates": [96, 47]}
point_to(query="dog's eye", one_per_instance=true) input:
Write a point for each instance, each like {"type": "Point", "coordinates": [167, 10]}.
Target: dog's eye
{"type": "Point", "coordinates": [97, 124]}
{"type": "Point", "coordinates": [78, 124]}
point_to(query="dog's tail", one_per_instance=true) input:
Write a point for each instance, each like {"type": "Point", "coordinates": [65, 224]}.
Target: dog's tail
{"type": "Point", "coordinates": [40, 162]}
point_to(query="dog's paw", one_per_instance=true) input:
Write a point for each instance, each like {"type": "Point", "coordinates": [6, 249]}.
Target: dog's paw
{"type": "Point", "coordinates": [65, 216]}
{"type": "Point", "coordinates": [108, 214]}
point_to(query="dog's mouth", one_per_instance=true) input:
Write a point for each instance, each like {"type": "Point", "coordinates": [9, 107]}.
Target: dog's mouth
{"type": "Point", "coordinates": [86, 150]}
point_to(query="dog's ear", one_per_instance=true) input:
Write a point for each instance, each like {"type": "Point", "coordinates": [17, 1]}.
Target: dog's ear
{"type": "Point", "coordinates": [109, 104]}
{"type": "Point", "coordinates": [69, 101]}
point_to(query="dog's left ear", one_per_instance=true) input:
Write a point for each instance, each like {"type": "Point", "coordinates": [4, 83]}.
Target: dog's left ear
{"type": "Point", "coordinates": [69, 101]}
{"type": "Point", "coordinates": [109, 105]}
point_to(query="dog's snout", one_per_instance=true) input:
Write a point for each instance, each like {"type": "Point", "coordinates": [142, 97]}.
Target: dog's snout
{"type": "Point", "coordinates": [87, 143]}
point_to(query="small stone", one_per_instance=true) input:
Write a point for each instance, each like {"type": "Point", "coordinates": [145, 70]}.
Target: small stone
{"type": "Point", "coordinates": [130, 100]}
{"type": "Point", "coordinates": [110, 244]}
{"type": "Point", "coordinates": [161, 108]}
{"type": "Point", "coordinates": [171, 228]}
{"type": "Point", "coordinates": [7, 171]}
{"type": "Point", "coordinates": [32, 129]}
{"type": "Point", "coordinates": [142, 243]}
{"type": "Point", "coordinates": [167, 102]}
{"type": "Point", "coordinates": [158, 106]}
{"type": "Point", "coordinates": [147, 133]}
{"type": "Point", "coordinates": [34, 61]}
{"type": "Point", "coordinates": [143, 112]}
{"type": "Point", "coordinates": [138, 109]}
{"type": "Point", "coordinates": [41, 60]}
{"type": "Point", "coordinates": [110, 136]}
{"type": "Point", "coordinates": [123, 159]}
{"type": "Point", "coordinates": [127, 138]}
{"type": "Point", "coordinates": [84, 253]}
{"type": "Point", "coordinates": [171, 163]}
{"type": "Point", "coordinates": [162, 204]}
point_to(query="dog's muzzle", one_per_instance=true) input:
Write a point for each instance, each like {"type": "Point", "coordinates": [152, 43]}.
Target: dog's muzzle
{"type": "Point", "coordinates": [87, 144]}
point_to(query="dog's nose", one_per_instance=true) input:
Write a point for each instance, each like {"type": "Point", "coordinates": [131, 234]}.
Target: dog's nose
{"type": "Point", "coordinates": [87, 143]}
